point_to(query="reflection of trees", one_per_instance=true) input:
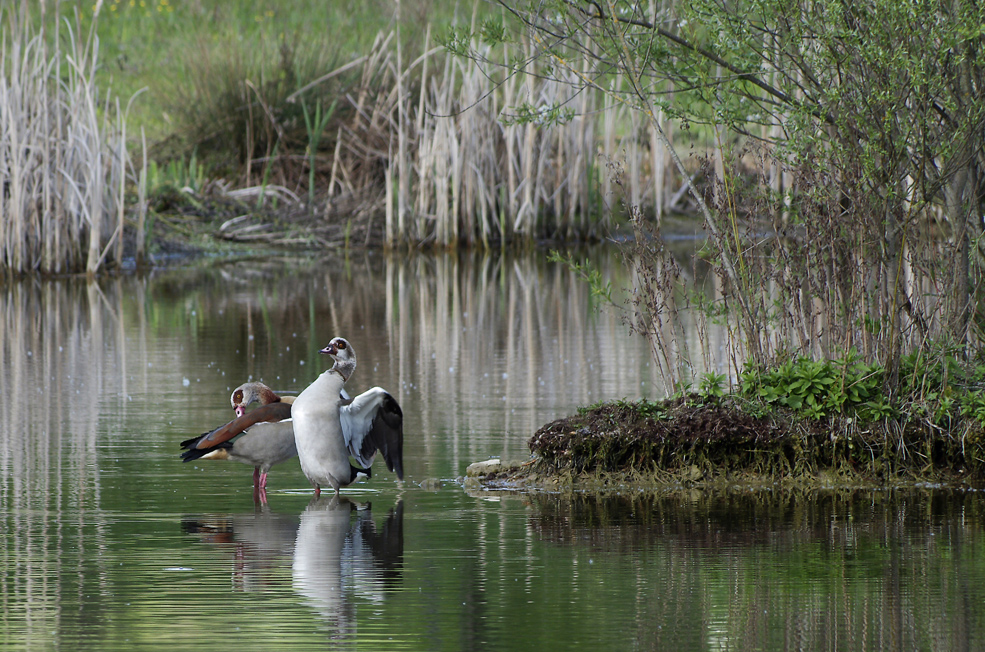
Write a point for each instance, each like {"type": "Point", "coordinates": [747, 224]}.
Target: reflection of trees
{"type": "Point", "coordinates": [764, 570]}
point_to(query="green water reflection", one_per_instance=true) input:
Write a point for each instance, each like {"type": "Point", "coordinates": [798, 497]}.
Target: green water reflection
{"type": "Point", "coordinates": [109, 542]}
{"type": "Point", "coordinates": [443, 570]}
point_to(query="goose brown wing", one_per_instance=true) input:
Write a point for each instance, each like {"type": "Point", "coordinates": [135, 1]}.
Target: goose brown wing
{"type": "Point", "coordinates": [198, 446]}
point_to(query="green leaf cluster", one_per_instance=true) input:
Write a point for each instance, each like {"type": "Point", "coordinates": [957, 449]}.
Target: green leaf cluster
{"type": "Point", "coordinates": [712, 385]}
{"type": "Point", "coordinates": [939, 385]}
{"type": "Point", "coordinates": [820, 388]}
{"type": "Point", "coordinates": [587, 272]}
{"type": "Point", "coordinates": [939, 389]}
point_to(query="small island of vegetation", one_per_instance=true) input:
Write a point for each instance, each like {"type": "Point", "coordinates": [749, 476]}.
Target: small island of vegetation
{"type": "Point", "coordinates": [805, 423]}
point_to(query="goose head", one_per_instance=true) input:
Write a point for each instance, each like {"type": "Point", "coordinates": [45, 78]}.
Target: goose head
{"type": "Point", "coordinates": [247, 393]}
{"type": "Point", "coordinates": [345, 358]}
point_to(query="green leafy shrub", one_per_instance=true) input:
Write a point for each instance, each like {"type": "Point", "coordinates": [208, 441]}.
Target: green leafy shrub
{"type": "Point", "coordinates": [820, 388]}
{"type": "Point", "coordinates": [938, 387]}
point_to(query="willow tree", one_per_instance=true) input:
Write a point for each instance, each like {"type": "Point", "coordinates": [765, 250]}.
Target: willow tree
{"type": "Point", "coordinates": [872, 107]}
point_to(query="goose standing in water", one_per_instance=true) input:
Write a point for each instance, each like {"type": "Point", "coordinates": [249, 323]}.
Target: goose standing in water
{"type": "Point", "coordinates": [261, 438]}
{"type": "Point", "coordinates": [328, 429]}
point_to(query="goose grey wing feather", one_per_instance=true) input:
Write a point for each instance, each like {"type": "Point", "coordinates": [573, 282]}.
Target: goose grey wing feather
{"type": "Point", "coordinates": [373, 422]}
{"type": "Point", "coordinates": [265, 444]}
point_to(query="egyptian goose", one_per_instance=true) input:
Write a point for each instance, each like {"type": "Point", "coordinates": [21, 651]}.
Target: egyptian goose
{"type": "Point", "coordinates": [247, 393]}
{"type": "Point", "coordinates": [328, 428]}
{"type": "Point", "coordinates": [263, 437]}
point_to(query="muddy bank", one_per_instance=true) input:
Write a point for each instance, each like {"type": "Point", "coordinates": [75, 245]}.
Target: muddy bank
{"type": "Point", "coordinates": [696, 441]}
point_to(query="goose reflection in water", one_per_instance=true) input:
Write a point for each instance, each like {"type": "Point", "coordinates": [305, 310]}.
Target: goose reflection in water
{"type": "Point", "coordinates": [335, 557]}
{"type": "Point", "coordinates": [257, 542]}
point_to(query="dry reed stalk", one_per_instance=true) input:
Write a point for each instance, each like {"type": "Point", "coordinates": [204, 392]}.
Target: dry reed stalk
{"type": "Point", "coordinates": [471, 165]}
{"type": "Point", "coordinates": [62, 159]}
{"type": "Point", "coordinates": [403, 171]}
{"type": "Point", "coordinates": [465, 169]}
{"type": "Point", "coordinates": [142, 203]}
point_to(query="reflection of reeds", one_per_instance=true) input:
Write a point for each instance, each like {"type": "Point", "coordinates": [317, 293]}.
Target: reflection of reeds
{"type": "Point", "coordinates": [501, 344]}
{"type": "Point", "coordinates": [51, 380]}
{"type": "Point", "coordinates": [480, 350]}
{"type": "Point", "coordinates": [50, 388]}
{"type": "Point", "coordinates": [62, 154]}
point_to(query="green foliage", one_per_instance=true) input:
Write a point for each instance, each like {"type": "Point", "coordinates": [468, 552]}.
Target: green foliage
{"type": "Point", "coordinates": [851, 99]}
{"type": "Point", "coordinates": [587, 272]}
{"type": "Point", "coordinates": [820, 388]}
{"type": "Point", "coordinates": [650, 409]}
{"type": "Point", "coordinates": [972, 406]}
{"type": "Point", "coordinates": [585, 409]}
{"type": "Point", "coordinates": [939, 385]}
{"type": "Point", "coordinates": [543, 116]}
{"type": "Point", "coordinates": [938, 388]}
{"type": "Point", "coordinates": [494, 31]}
{"type": "Point", "coordinates": [657, 410]}
{"type": "Point", "coordinates": [315, 126]}
{"type": "Point", "coordinates": [233, 100]}
{"type": "Point", "coordinates": [712, 385]}
{"type": "Point", "coordinates": [457, 41]}
{"type": "Point", "coordinates": [145, 44]}
{"type": "Point", "coordinates": [175, 175]}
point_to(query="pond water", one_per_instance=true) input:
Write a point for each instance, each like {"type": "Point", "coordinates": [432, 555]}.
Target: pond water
{"type": "Point", "coordinates": [109, 542]}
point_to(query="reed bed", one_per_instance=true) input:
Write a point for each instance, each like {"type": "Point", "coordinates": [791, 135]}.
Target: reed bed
{"type": "Point", "coordinates": [476, 174]}
{"type": "Point", "coordinates": [63, 154]}
{"type": "Point", "coordinates": [417, 147]}
{"type": "Point", "coordinates": [428, 149]}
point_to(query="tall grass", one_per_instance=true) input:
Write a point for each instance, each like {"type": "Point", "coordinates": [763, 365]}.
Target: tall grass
{"type": "Point", "coordinates": [63, 154]}
{"type": "Point", "coordinates": [451, 151]}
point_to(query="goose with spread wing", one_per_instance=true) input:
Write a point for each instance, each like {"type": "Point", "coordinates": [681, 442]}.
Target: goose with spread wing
{"type": "Point", "coordinates": [261, 438]}
{"type": "Point", "coordinates": [328, 428]}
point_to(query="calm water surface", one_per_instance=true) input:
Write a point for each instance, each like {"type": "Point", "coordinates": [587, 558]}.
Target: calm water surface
{"type": "Point", "coordinates": [110, 542]}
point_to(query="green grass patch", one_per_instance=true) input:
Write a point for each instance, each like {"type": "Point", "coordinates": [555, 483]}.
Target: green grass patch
{"type": "Point", "coordinates": [156, 44]}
